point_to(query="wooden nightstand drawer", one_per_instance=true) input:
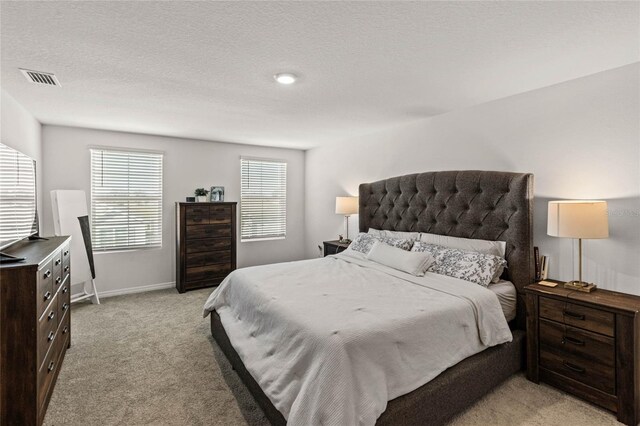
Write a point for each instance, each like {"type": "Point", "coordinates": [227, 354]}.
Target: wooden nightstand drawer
{"type": "Point", "coordinates": [589, 372]}
{"type": "Point", "coordinates": [591, 319]}
{"type": "Point", "coordinates": [577, 342]}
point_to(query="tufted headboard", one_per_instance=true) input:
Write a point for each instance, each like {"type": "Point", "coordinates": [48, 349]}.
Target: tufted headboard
{"type": "Point", "coordinates": [485, 205]}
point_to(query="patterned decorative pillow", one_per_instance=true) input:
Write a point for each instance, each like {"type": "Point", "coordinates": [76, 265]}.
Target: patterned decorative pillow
{"type": "Point", "coordinates": [470, 266]}
{"type": "Point", "coordinates": [363, 242]}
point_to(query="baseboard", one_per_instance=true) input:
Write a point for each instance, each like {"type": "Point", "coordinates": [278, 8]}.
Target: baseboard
{"type": "Point", "coordinates": [131, 290]}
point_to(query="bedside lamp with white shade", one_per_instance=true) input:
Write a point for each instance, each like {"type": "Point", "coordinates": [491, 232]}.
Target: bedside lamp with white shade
{"type": "Point", "coordinates": [346, 206]}
{"type": "Point", "coordinates": [581, 219]}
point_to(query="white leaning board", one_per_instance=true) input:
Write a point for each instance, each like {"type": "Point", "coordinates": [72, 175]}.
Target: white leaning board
{"type": "Point", "coordinates": [67, 206]}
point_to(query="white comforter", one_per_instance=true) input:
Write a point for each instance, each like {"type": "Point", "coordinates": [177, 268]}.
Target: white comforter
{"type": "Point", "coordinates": [331, 340]}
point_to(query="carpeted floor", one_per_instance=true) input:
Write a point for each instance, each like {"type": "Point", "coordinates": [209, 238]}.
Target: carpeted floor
{"type": "Point", "coordinates": [149, 359]}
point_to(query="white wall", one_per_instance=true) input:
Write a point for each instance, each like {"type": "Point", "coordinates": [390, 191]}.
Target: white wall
{"type": "Point", "coordinates": [581, 139]}
{"type": "Point", "coordinates": [188, 164]}
{"type": "Point", "coordinates": [21, 131]}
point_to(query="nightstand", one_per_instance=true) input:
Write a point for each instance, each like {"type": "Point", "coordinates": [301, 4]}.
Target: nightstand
{"type": "Point", "coordinates": [587, 344]}
{"type": "Point", "coordinates": [333, 247]}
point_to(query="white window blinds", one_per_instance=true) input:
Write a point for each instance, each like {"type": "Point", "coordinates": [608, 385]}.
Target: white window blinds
{"type": "Point", "coordinates": [263, 199]}
{"type": "Point", "coordinates": [18, 217]}
{"type": "Point", "coordinates": [126, 199]}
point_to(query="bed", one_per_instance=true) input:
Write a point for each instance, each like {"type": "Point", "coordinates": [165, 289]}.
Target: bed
{"type": "Point", "coordinates": [494, 206]}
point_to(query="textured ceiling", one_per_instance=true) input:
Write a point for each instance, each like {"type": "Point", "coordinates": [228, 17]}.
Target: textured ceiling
{"type": "Point", "coordinates": [204, 69]}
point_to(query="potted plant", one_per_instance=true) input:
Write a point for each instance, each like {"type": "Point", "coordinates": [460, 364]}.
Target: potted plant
{"type": "Point", "coordinates": [201, 195]}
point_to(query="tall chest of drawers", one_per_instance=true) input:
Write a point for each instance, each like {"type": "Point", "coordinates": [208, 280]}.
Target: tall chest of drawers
{"type": "Point", "coordinates": [587, 344]}
{"type": "Point", "coordinates": [35, 327]}
{"type": "Point", "coordinates": [205, 243]}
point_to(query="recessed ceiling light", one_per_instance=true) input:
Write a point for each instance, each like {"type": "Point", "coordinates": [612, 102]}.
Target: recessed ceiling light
{"type": "Point", "coordinates": [285, 78]}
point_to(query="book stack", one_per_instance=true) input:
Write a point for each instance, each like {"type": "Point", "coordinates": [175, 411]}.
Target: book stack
{"type": "Point", "coordinates": [541, 265]}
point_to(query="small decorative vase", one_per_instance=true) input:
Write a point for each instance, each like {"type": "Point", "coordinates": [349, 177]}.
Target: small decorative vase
{"type": "Point", "coordinates": [201, 198]}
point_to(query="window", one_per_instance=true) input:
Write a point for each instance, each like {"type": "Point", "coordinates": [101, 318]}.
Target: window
{"type": "Point", "coordinates": [263, 199]}
{"type": "Point", "coordinates": [18, 216]}
{"type": "Point", "coordinates": [126, 199]}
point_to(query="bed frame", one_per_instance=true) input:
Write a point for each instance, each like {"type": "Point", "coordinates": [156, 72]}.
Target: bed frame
{"type": "Point", "coordinates": [486, 205]}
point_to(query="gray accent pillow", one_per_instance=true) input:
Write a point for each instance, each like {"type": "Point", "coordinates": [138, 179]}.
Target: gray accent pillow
{"type": "Point", "coordinates": [478, 268]}
{"type": "Point", "coordinates": [363, 242]}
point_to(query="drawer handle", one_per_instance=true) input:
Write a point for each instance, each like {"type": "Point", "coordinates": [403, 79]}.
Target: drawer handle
{"type": "Point", "coordinates": [58, 261]}
{"type": "Point", "coordinates": [47, 295]}
{"type": "Point", "coordinates": [66, 268]}
{"type": "Point", "coordinates": [65, 330]}
{"type": "Point", "coordinates": [51, 315]}
{"type": "Point", "coordinates": [47, 274]}
{"type": "Point", "coordinates": [50, 336]}
{"type": "Point", "coordinates": [573, 315]}
{"type": "Point", "coordinates": [51, 365]}
{"type": "Point", "coordinates": [64, 289]}
{"type": "Point", "coordinates": [64, 307]}
{"type": "Point", "coordinates": [66, 253]}
{"type": "Point", "coordinates": [573, 341]}
{"type": "Point", "coordinates": [573, 367]}
{"type": "Point", "coordinates": [58, 280]}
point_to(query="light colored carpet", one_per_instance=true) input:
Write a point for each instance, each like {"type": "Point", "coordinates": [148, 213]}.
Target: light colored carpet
{"type": "Point", "coordinates": [149, 359]}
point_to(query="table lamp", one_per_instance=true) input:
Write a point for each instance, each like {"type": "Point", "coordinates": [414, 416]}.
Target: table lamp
{"type": "Point", "coordinates": [346, 206]}
{"type": "Point", "coordinates": [581, 219]}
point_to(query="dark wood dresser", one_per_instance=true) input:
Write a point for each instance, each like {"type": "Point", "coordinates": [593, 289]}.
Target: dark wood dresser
{"type": "Point", "coordinates": [205, 243]}
{"type": "Point", "coordinates": [35, 327]}
{"type": "Point", "coordinates": [587, 344]}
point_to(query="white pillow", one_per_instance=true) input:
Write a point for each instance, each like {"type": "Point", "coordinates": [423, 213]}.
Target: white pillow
{"type": "Point", "coordinates": [414, 263]}
{"type": "Point", "coordinates": [395, 234]}
{"type": "Point", "coordinates": [362, 244]}
{"type": "Point", "coordinates": [478, 268]}
{"type": "Point", "coordinates": [496, 248]}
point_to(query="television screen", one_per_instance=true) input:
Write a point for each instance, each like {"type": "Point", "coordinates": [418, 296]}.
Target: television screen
{"type": "Point", "coordinates": [18, 210]}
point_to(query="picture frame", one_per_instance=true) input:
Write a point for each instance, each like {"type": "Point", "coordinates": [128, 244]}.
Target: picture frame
{"type": "Point", "coordinates": [217, 193]}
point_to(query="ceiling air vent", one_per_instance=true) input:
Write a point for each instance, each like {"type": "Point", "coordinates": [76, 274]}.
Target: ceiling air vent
{"type": "Point", "coordinates": [39, 77]}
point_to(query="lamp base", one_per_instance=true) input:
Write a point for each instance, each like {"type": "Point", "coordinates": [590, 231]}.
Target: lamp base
{"type": "Point", "coordinates": [580, 286]}
{"type": "Point", "coordinates": [344, 241]}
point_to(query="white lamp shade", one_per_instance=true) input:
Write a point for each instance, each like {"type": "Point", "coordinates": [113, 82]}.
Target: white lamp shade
{"type": "Point", "coordinates": [578, 219]}
{"type": "Point", "coordinates": [346, 205]}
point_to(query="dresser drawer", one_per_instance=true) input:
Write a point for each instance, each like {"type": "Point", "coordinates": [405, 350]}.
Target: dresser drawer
{"type": "Point", "coordinates": [45, 286]}
{"type": "Point", "coordinates": [220, 214]}
{"type": "Point", "coordinates": [208, 231]}
{"type": "Point", "coordinates": [202, 273]}
{"type": "Point", "coordinates": [197, 246]}
{"type": "Point", "coordinates": [197, 215]}
{"type": "Point", "coordinates": [58, 273]}
{"type": "Point", "coordinates": [591, 373]}
{"type": "Point", "coordinates": [49, 369]}
{"type": "Point", "coordinates": [66, 258]}
{"type": "Point", "coordinates": [64, 303]}
{"type": "Point", "coordinates": [577, 315]}
{"type": "Point", "coordinates": [57, 263]}
{"type": "Point", "coordinates": [66, 270]}
{"type": "Point", "coordinates": [208, 258]}
{"type": "Point", "coordinates": [47, 326]}
{"type": "Point", "coordinates": [575, 341]}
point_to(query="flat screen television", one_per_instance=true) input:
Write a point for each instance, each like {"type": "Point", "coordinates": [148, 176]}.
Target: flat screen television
{"type": "Point", "coordinates": [18, 201]}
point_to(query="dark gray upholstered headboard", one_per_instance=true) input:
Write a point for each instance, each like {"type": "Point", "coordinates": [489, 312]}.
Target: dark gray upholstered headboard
{"type": "Point", "coordinates": [486, 205]}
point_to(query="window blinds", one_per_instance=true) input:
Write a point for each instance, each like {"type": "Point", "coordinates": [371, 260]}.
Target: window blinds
{"type": "Point", "coordinates": [126, 199]}
{"type": "Point", "coordinates": [17, 195]}
{"type": "Point", "coordinates": [263, 199]}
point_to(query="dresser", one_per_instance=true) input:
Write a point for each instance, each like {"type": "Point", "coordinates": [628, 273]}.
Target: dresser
{"type": "Point", "coordinates": [35, 327]}
{"type": "Point", "coordinates": [587, 344]}
{"type": "Point", "coordinates": [205, 243]}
